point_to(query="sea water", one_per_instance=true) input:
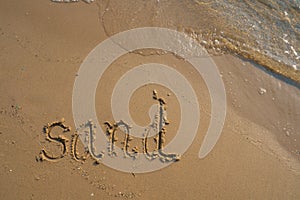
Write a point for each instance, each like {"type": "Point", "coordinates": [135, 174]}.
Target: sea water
{"type": "Point", "coordinates": [273, 26]}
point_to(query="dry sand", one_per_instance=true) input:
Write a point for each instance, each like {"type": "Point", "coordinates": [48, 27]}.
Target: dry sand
{"type": "Point", "coordinates": [42, 47]}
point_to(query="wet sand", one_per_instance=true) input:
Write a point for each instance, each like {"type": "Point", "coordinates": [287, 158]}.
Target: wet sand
{"type": "Point", "coordinates": [42, 47]}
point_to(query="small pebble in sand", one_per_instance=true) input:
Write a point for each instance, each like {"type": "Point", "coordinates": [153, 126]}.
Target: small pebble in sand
{"type": "Point", "coordinates": [262, 91]}
{"type": "Point", "coordinates": [92, 194]}
{"type": "Point", "coordinates": [203, 42]}
{"type": "Point", "coordinates": [287, 133]}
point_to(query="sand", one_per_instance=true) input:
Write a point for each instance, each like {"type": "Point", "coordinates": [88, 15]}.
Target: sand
{"type": "Point", "coordinates": [42, 47]}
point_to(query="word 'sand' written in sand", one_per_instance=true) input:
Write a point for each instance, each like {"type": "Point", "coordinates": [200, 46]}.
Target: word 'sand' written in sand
{"type": "Point", "coordinates": [159, 126]}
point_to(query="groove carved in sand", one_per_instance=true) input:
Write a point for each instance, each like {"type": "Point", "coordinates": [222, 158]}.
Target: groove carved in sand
{"type": "Point", "coordinates": [61, 139]}
{"type": "Point", "coordinates": [159, 126]}
{"type": "Point", "coordinates": [89, 139]}
{"type": "Point", "coordinates": [74, 149]}
{"type": "Point", "coordinates": [111, 132]}
{"type": "Point", "coordinates": [71, 1]}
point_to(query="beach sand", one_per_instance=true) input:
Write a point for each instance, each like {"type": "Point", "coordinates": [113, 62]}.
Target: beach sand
{"type": "Point", "coordinates": [42, 47]}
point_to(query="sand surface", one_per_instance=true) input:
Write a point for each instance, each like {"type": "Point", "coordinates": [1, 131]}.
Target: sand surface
{"type": "Point", "coordinates": [42, 46]}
